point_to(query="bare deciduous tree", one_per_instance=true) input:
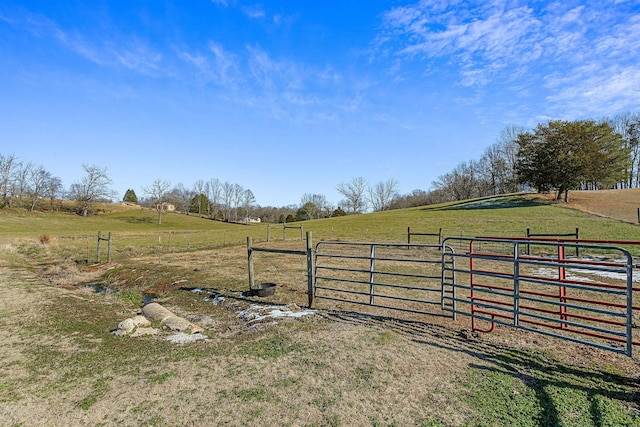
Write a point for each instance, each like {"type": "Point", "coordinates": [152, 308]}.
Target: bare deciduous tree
{"type": "Point", "coordinates": [94, 186]}
{"type": "Point", "coordinates": [20, 184]}
{"type": "Point", "coordinates": [214, 193]}
{"type": "Point", "coordinates": [248, 201]}
{"type": "Point", "coordinates": [315, 206]}
{"type": "Point", "coordinates": [382, 194]}
{"type": "Point", "coordinates": [8, 165]}
{"type": "Point", "coordinates": [628, 126]}
{"type": "Point", "coordinates": [460, 184]}
{"type": "Point", "coordinates": [508, 144]}
{"type": "Point", "coordinates": [199, 187]}
{"type": "Point", "coordinates": [354, 194]}
{"type": "Point", "coordinates": [53, 190]}
{"type": "Point", "coordinates": [236, 198]}
{"type": "Point", "coordinates": [38, 182]}
{"type": "Point", "coordinates": [157, 194]}
{"type": "Point", "coordinates": [227, 196]}
{"type": "Point", "coordinates": [181, 197]}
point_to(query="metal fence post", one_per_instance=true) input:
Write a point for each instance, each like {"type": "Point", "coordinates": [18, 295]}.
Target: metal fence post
{"type": "Point", "coordinates": [372, 272]}
{"type": "Point", "coordinates": [629, 325]}
{"type": "Point", "coordinates": [516, 284]}
{"type": "Point", "coordinates": [562, 291]}
{"type": "Point", "coordinates": [310, 270]}
{"type": "Point", "coordinates": [250, 261]}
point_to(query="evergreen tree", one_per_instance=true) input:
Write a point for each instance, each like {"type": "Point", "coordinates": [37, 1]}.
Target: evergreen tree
{"type": "Point", "coordinates": [338, 212]}
{"type": "Point", "coordinates": [565, 156]}
{"type": "Point", "coordinates": [199, 204]}
{"type": "Point", "coordinates": [130, 197]}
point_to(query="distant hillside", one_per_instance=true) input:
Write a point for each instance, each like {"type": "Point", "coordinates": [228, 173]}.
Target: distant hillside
{"type": "Point", "coordinates": [617, 204]}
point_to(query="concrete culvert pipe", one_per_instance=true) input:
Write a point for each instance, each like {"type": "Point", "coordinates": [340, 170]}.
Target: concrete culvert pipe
{"type": "Point", "coordinates": [157, 313]}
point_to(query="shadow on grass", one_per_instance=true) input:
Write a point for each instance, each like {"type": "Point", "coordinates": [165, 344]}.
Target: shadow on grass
{"type": "Point", "coordinates": [141, 220]}
{"type": "Point", "coordinates": [493, 203]}
{"type": "Point", "coordinates": [513, 386]}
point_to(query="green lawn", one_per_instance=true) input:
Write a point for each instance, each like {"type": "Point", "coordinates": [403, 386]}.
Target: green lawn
{"type": "Point", "coordinates": [135, 230]}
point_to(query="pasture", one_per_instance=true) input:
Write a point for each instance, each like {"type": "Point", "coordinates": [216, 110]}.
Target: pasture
{"type": "Point", "coordinates": [343, 365]}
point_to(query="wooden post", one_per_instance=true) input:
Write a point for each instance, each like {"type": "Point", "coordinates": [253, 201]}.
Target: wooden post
{"type": "Point", "coordinates": [109, 249]}
{"type": "Point", "coordinates": [300, 232]}
{"type": "Point", "coordinates": [408, 235]}
{"type": "Point", "coordinates": [250, 260]}
{"type": "Point", "coordinates": [310, 270]}
{"type": "Point", "coordinates": [577, 238]}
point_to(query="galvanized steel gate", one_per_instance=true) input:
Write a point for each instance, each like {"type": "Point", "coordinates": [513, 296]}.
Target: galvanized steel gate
{"type": "Point", "coordinates": [587, 300]}
{"type": "Point", "coordinates": [406, 277]}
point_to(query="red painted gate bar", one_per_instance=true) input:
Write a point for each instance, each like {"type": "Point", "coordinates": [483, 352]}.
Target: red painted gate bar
{"type": "Point", "coordinates": [580, 300]}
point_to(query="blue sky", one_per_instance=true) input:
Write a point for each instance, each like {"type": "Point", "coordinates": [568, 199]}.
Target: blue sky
{"type": "Point", "coordinates": [293, 97]}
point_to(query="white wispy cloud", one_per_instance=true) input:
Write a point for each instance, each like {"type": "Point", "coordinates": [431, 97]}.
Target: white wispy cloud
{"type": "Point", "coordinates": [297, 91]}
{"type": "Point", "coordinates": [582, 52]}
{"type": "Point", "coordinates": [215, 65]}
{"type": "Point", "coordinates": [254, 12]}
{"type": "Point", "coordinates": [128, 52]}
{"type": "Point", "coordinates": [591, 89]}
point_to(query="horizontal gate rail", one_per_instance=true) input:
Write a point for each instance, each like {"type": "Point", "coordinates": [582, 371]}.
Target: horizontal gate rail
{"type": "Point", "coordinates": [404, 277]}
{"type": "Point", "coordinates": [587, 301]}
{"type": "Point", "coordinates": [569, 242]}
{"type": "Point", "coordinates": [308, 253]}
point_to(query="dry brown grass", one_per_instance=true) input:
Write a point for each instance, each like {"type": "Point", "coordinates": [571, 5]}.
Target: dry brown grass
{"type": "Point", "coordinates": [617, 204]}
{"type": "Point", "coordinates": [350, 365]}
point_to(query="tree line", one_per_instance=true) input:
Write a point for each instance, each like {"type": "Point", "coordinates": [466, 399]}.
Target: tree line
{"type": "Point", "coordinates": [30, 186]}
{"type": "Point", "coordinates": [556, 156]}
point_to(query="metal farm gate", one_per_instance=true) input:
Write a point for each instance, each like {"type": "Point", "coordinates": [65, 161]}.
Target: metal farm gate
{"type": "Point", "coordinates": [534, 285]}
{"type": "Point", "coordinates": [406, 277]}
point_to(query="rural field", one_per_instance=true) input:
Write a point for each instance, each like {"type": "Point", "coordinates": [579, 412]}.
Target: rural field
{"type": "Point", "coordinates": [273, 360]}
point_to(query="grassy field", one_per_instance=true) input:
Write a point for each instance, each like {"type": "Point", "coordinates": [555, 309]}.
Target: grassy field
{"type": "Point", "coordinates": [135, 231]}
{"type": "Point", "coordinates": [622, 205]}
{"type": "Point", "coordinates": [339, 367]}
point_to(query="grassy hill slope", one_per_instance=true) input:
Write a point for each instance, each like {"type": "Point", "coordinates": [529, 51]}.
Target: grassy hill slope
{"type": "Point", "coordinates": [137, 228]}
